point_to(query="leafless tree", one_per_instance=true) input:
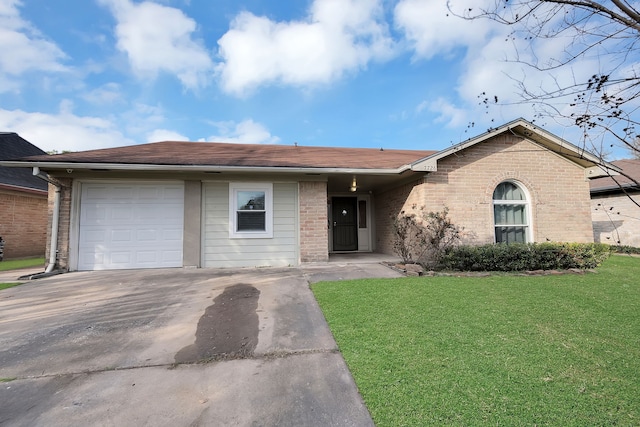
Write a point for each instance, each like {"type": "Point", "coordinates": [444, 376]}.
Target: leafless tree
{"type": "Point", "coordinates": [605, 104]}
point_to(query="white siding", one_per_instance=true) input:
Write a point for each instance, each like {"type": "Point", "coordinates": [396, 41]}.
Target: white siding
{"type": "Point", "coordinates": [221, 251]}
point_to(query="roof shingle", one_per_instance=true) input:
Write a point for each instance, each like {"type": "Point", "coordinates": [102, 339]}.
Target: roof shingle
{"type": "Point", "coordinates": [244, 155]}
{"type": "Point", "coordinates": [12, 147]}
{"type": "Point", "coordinates": [630, 167]}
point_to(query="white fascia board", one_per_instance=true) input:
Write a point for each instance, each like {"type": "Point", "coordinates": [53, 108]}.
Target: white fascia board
{"type": "Point", "coordinates": [600, 171]}
{"type": "Point", "coordinates": [48, 166]}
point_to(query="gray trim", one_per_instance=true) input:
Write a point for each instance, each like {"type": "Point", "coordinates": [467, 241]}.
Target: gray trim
{"type": "Point", "coordinates": [191, 246]}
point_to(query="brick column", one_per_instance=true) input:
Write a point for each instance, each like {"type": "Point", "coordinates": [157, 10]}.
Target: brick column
{"type": "Point", "coordinates": [314, 237]}
{"type": "Point", "coordinates": [64, 224]}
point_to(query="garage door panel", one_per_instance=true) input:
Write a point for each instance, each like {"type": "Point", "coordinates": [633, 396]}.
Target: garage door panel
{"type": "Point", "coordinates": [120, 257]}
{"type": "Point", "coordinates": [131, 226]}
{"type": "Point", "coordinates": [95, 236]}
{"type": "Point", "coordinates": [172, 235]}
{"type": "Point", "coordinates": [146, 257]}
{"type": "Point", "coordinates": [149, 194]}
{"type": "Point", "coordinates": [121, 213]}
{"type": "Point", "coordinates": [147, 235]}
{"type": "Point", "coordinates": [120, 236]}
{"type": "Point", "coordinates": [172, 256]}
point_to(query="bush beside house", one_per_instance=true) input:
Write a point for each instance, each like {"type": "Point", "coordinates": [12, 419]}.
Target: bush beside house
{"type": "Point", "coordinates": [526, 257]}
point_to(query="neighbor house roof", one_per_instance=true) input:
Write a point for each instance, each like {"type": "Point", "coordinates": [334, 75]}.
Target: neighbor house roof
{"type": "Point", "coordinates": [628, 178]}
{"type": "Point", "coordinates": [13, 147]}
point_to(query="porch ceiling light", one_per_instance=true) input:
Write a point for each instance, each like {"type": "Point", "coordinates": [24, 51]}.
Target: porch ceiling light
{"type": "Point", "coordinates": [354, 185]}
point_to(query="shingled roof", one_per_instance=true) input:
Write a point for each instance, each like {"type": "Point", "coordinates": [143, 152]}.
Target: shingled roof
{"type": "Point", "coordinates": [242, 155]}
{"type": "Point", "coordinates": [13, 147]}
{"type": "Point", "coordinates": [629, 167]}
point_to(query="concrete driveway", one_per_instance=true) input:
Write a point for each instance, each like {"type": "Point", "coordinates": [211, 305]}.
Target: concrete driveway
{"type": "Point", "coordinates": [176, 347]}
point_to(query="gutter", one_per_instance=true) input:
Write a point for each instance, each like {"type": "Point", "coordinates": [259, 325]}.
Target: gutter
{"type": "Point", "coordinates": [70, 166]}
{"type": "Point", "coordinates": [53, 250]}
{"type": "Point", "coordinates": [615, 188]}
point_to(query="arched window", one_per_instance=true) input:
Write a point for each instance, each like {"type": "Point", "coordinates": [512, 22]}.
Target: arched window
{"type": "Point", "coordinates": [510, 213]}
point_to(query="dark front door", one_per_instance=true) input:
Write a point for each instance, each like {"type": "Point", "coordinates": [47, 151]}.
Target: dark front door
{"type": "Point", "coordinates": [345, 223]}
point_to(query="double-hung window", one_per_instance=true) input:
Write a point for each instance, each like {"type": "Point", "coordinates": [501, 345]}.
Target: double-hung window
{"type": "Point", "coordinates": [511, 213]}
{"type": "Point", "coordinates": [250, 210]}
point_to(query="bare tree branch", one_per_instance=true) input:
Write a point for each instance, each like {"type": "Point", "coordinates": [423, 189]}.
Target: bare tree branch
{"type": "Point", "coordinates": [607, 102]}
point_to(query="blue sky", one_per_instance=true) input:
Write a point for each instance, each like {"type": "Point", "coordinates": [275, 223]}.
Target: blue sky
{"type": "Point", "coordinates": [85, 74]}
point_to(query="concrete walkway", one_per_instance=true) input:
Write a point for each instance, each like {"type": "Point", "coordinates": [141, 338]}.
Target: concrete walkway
{"type": "Point", "coordinates": [176, 347]}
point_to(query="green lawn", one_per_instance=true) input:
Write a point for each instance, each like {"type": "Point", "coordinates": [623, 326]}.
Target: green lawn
{"type": "Point", "coordinates": [21, 263]}
{"type": "Point", "coordinates": [500, 350]}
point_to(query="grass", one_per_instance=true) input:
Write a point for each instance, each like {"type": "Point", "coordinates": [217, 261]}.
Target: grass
{"type": "Point", "coordinates": [499, 350]}
{"type": "Point", "coordinates": [8, 285]}
{"type": "Point", "coordinates": [21, 263]}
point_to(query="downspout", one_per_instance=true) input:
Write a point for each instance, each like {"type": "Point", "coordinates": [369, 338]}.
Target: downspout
{"type": "Point", "coordinates": [53, 250]}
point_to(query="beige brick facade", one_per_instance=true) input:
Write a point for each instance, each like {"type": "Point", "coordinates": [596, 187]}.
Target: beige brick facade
{"type": "Point", "coordinates": [23, 223]}
{"type": "Point", "coordinates": [616, 219]}
{"type": "Point", "coordinates": [314, 238]}
{"type": "Point", "coordinates": [464, 183]}
{"type": "Point", "coordinates": [389, 205]}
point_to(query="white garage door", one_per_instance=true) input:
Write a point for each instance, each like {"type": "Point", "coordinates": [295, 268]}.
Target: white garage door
{"type": "Point", "coordinates": [130, 225]}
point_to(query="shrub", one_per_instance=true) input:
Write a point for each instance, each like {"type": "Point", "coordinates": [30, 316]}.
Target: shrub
{"type": "Point", "coordinates": [408, 237]}
{"type": "Point", "coordinates": [425, 238]}
{"type": "Point", "coordinates": [619, 249]}
{"type": "Point", "coordinates": [523, 257]}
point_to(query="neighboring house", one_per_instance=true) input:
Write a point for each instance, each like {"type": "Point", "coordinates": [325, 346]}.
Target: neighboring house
{"type": "Point", "coordinates": [188, 204]}
{"type": "Point", "coordinates": [615, 206]}
{"type": "Point", "coordinates": [23, 201]}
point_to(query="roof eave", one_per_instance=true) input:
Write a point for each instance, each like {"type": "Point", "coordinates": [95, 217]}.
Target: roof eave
{"type": "Point", "coordinates": [50, 166]}
{"type": "Point", "coordinates": [23, 189]}
{"type": "Point", "coordinates": [611, 188]}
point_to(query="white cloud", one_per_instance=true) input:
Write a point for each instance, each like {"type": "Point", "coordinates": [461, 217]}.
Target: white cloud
{"type": "Point", "coordinates": [64, 130]}
{"type": "Point", "coordinates": [493, 70]}
{"type": "Point", "coordinates": [109, 93]}
{"type": "Point", "coordinates": [23, 47]}
{"type": "Point", "coordinates": [245, 132]}
{"type": "Point", "coordinates": [494, 65]}
{"type": "Point", "coordinates": [165, 135]}
{"type": "Point", "coordinates": [446, 112]}
{"type": "Point", "coordinates": [489, 64]}
{"type": "Point", "coordinates": [431, 29]}
{"type": "Point", "coordinates": [157, 39]}
{"type": "Point", "coordinates": [337, 37]}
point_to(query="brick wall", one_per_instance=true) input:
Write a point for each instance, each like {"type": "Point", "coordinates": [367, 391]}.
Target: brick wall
{"type": "Point", "coordinates": [23, 222]}
{"type": "Point", "coordinates": [314, 238]}
{"type": "Point", "coordinates": [389, 205]}
{"type": "Point", "coordinates": [465, 181]}
{"type": "Point", "coordinates": [64, 221]}
{"type": "Point", "coordinates": [616, 219]}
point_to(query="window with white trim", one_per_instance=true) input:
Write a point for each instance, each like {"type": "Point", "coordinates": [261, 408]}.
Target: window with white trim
{"type": "Point", "coordinates": [250, 210]}
{"type": "Point", "coordinates": [510, 213]}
